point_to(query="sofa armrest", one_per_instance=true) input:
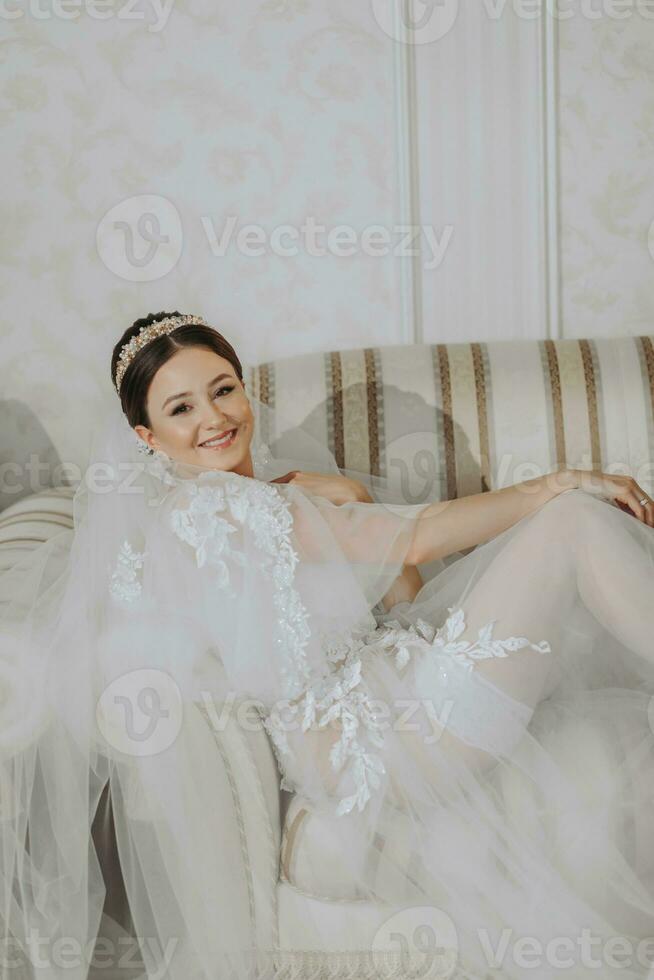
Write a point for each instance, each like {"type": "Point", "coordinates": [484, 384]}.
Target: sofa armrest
{"type": "Point", "coordinates": [252, 810]}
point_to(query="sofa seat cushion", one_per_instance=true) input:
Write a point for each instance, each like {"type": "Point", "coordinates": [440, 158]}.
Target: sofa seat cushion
{"type": "Point", "coordinates": [313, 860]}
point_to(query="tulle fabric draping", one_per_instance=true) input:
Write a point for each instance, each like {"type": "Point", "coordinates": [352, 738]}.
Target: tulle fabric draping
{"type": "Point", "coordinates": [485, 750]}
{"type": "Point", "coordinates": [179, 585]}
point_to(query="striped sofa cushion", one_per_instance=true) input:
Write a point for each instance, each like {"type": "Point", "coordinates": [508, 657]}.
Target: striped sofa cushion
{"type": "Point", "coordinates": [439, 421]}
{"type": "Point", "coordinates": [32, 520]}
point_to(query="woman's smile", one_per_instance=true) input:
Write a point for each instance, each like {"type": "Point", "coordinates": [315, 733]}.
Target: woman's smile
{"type": "Point", "coordinates": [224, 443]}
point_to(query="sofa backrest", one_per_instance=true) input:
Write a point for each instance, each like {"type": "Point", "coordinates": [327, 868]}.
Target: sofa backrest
{"type": "Point", "coordinates": [439, 421]}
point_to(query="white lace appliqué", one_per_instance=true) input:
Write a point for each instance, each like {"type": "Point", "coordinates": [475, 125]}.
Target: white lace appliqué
{"type": "Point", "coordinates": [484, 646]}
{"type": "Point", "coordinates": [338, 691]}
{"type": "Point", "coordinates": [481, 716]}
{"type": "Point", "coordinates": [339, 695]}
{"type": "Point", "coordinates": [342, 695]}
{"type": "Point", "coordinates": [208, 534]}
{"type": "Point", "coordinates": [445, 640]}
{"type": "Point", "coordinates": [125, 585]}
{"type": "Point", "coordinates": [266, 512]}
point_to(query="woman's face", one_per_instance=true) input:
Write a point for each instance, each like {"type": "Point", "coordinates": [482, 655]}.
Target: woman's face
{"type": "Point", "coordinates": [193, 398]}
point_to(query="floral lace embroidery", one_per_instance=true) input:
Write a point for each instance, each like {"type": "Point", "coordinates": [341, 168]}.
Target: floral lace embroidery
{"type": "Point", "coordinates": [125, 585]}
{"type": "Point", "coordinates": [484, 646]}
{"type": "Point", "coordinates": [482, 716]}
{"type": "Point", "coordinates": [341, 694]}
{"type": "Point", "coordinates": [444, 639]}
{"type": "Point", "coordinates": [266, 512]}
{"type": "Point", "coordinates": [207, 533]}
{"type": "Point", "coordinates": [338, 695]}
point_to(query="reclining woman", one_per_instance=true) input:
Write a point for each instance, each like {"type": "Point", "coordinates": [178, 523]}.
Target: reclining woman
{"type": "Point", "coordinates": [457, 729]}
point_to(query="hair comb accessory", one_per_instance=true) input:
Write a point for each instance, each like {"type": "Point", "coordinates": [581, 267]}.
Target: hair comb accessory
{"type": "Point", "coordinates": [147, 334]}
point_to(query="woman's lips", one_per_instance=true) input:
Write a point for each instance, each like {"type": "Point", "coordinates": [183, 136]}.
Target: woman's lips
{"type": "Point", "coordinates": [223, 445]}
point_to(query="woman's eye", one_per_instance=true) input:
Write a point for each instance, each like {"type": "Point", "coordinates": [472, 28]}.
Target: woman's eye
{"type": "Point", "coordinates": [177, 410]}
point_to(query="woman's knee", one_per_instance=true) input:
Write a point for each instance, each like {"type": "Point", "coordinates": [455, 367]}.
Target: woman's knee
{"type": "Point", "coordinates": [570, 512]}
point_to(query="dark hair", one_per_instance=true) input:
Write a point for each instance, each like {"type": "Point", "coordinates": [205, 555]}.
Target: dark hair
{"type": "Point", "coordinates": [145, 364]}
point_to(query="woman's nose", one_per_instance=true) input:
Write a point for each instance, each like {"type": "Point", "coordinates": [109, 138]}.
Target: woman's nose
{"type": "Point", "coordinates": [214, 413]}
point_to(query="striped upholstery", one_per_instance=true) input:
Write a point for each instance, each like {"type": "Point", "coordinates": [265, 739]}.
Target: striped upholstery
{"type": "Point", "coordinates": [440, 421]}
{"type": "Point", "coordinates": [446, 420]}
{"type": "Point", "coordinates": [29, 522]}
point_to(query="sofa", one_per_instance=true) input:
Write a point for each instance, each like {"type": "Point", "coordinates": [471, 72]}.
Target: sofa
{"type": "Point", "coordinates": [431, 421]}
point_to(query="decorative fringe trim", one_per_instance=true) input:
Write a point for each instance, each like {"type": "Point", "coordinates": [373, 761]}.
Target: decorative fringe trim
{"type": "Point", "coordinates": [345, 965]}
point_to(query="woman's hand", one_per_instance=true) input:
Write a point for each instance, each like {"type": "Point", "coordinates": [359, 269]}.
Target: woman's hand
{"type": "Point", "coordinates": [623, 491]}
{"type": "Point", "coordinates": [335, 487]}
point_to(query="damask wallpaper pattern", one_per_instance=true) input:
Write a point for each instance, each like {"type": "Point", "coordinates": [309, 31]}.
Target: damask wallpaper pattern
{"type": "Point", "coordinates": [141, 144]}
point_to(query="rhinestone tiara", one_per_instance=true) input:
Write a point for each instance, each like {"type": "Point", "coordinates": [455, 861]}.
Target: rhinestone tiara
{"type": "Point", "coordinates": [145, 335]}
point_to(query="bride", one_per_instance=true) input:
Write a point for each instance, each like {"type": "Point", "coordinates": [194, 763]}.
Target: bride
{"type": "Point", "coordinates": [482, 742]}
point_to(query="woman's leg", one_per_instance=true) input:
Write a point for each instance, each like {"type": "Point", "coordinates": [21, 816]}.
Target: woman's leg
{"type": "Point", "coordinates": [575, 547]}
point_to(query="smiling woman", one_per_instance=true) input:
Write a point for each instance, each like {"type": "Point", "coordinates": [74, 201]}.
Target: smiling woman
{"type": "Point", "coordinates": [483, 749]}
{"type": "Point", "coordinates": [185, 395]}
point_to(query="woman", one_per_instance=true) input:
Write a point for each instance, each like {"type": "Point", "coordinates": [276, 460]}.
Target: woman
{"type": "Point", "coordinates": [482, 741]}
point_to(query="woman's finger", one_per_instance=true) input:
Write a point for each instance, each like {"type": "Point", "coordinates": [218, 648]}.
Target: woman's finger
{"type": "Point", "coordinates": [631, 501]}
{"type": "Point", "coordinates": [286, 478]}
{"type": "Point", "coordinates": [648, 507]}
{"type": "Point", "coordinates": [644, 511]}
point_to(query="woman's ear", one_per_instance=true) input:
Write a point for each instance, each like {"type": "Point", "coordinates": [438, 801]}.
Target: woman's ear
{"type": "Point", "coordinates": [145, 435]}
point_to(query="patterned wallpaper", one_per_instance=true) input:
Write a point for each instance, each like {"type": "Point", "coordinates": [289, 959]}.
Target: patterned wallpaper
{"type": "Point", "coordinates": [606, 130]}
{"type": "Point", "coordinates": [134, 148]}
{"type": "Point", "coordinates": [140, 144]}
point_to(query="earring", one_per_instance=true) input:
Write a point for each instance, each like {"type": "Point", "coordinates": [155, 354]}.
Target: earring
{"type": "Point", "coordinates": [143, 448]}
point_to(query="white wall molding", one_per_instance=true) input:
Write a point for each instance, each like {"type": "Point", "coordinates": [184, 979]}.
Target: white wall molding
{"type": "Point", "coordinates": [407, 164]}
{"type": "Point", "coordinates": [480, 104]}
{"type": "Point", "coordinates": [550, 170]}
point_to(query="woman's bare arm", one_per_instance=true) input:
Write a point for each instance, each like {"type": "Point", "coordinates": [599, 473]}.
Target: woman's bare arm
{"type": "Point", "coordinates": [444, 527]}
{"type": "Point", "coordinates": [408, 583]}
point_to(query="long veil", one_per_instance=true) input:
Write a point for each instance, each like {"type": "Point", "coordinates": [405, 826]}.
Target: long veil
{"type": "Point", "coordinates": [185, 592]}
{"type": "Point", "coordinates": [179, 587]}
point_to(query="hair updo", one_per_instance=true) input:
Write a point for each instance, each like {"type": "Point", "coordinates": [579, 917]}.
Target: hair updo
{"type": "Point", "coordinates": [146, 362]}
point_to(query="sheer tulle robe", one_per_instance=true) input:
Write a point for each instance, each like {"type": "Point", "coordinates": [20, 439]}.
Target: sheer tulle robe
{"type": "Point", "coordinates": [520, 785]}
